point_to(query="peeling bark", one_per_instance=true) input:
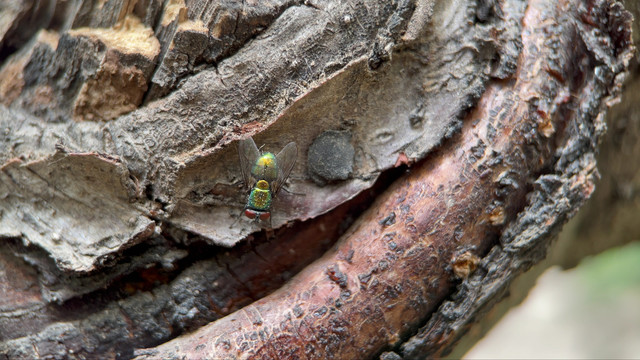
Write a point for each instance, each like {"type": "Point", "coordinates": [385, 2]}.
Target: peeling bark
{"type": "Point", "coordinates": [393, 268]}
{"type": "Point", "coordinates": [118, 169]}
{"type": "Point", "coordinates": [427, 87]}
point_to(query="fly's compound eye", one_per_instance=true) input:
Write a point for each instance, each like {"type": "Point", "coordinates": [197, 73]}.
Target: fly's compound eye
{"type": "Point", "coordinates": [265, 216]}
{"type": "Point", "coordinates": [250, 214]}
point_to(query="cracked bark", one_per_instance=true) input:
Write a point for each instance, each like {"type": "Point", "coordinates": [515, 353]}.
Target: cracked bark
{"type": "Point", "coordinates": [118, 169]}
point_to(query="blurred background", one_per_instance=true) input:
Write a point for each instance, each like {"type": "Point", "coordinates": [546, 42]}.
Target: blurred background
{"type": "Point", "coordinates": [591, 311]}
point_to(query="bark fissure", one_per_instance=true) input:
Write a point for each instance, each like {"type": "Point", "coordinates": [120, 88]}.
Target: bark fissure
{"type": "Point", "coordinates": [480, 202]}
{"type": "Point", "coordinates": [524, 141]}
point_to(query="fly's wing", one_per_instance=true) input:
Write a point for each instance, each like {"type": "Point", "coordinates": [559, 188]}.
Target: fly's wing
{"type": "Point", "coordinates": [285, 160]}
{"type": "Point", "coordinates": [248, 153]}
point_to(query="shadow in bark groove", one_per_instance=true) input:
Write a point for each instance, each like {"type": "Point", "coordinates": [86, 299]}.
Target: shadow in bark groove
{"type": "Point", "coordinates": [157, 304]}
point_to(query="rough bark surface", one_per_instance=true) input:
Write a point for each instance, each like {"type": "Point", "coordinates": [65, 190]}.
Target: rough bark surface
{"type": "Point", "coordinates": [118, 169]}
{"type": "Point", "coordinates": [179, 168]}
{"type": "Point", "coordinates": [402, 257]}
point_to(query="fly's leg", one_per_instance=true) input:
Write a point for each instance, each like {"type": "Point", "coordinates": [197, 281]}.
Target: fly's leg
{"type": "Point", "coordinates": [237, 219]}
{"type": "Point", "coordinates": [292, 193]}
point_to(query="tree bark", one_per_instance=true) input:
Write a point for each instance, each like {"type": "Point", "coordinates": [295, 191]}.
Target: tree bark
{"type": "Point", "coordinates": [442, 147]}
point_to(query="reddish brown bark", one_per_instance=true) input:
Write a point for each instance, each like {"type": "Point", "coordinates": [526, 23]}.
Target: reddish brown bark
{"type": "Point", "coordinates": [441, 246]}
{"type": "Point", "coordinates": [398, 262]}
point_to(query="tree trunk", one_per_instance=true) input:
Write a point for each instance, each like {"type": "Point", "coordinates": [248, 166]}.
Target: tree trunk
{"type": "Point", "coordinates": [441, 148]}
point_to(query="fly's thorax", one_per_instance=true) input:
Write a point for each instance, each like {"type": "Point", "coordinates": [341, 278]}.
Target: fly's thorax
{"type": "Point", "coordinates": [260, 196]}
{"type": "Point", "coordinates": [262, 185]}
{"type": "Point", "coordinates": [265, 167]}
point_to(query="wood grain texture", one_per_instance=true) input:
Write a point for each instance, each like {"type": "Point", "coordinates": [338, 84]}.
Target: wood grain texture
{"type": "Point", "coordinates": [292, 86]}
{"type": "Point", "coordinates": [118, 169]}
{"type": "Point", "coordinates": [400, 260]}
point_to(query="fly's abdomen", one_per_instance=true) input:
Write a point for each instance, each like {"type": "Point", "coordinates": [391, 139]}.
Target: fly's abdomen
{"type": "Point", "coordinates": [265, 168]}
{"type": "Point", "coordinates": [260, 196]}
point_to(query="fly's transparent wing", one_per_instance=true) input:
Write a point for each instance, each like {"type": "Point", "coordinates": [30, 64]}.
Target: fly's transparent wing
{"type": "Point", "coordinates": [285, 160]}
{"type": "Point", "coordinates": [248, 153]}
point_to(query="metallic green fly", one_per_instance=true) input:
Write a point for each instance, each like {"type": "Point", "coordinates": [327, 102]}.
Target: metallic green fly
{"type": "Point", "coordinates": [264, 174]}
